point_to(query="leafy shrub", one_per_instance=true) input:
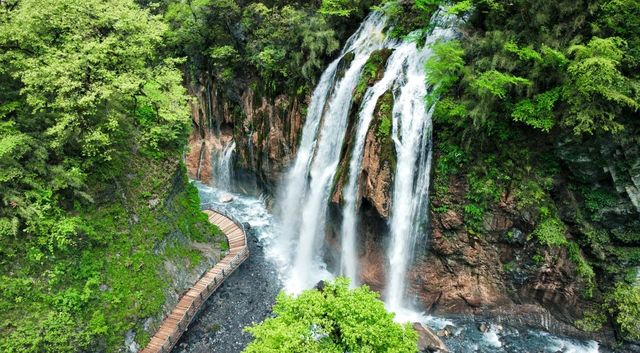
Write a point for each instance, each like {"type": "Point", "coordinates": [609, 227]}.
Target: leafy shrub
{"type": "Point", "coordinates": [538, 112]}
{"type": "Point", "coordinates": [582, 267]}
{"type": "Point", "coordinates": [592, 321]}
{"type": "Point", "coordinates": [496, 83]}
{"type": "Point", "coordinates": [551, 232]}
{"type": "Point", "coordinates": [444, 67]}
{"type": "Point", "coordinates": [335, 319]}
{"type": "Point", "coordinates": [623, 303]}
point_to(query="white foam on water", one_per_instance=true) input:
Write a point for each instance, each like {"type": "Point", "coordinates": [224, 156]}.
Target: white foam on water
{"type": "Point", "coordinates": [555, 344]}
{"type": "Point", "coordinates": [492, 336]}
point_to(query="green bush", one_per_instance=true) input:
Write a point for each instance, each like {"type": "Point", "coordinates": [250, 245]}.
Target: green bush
{"type": "Point", "coordinates": [551, 232]}
{"type": "Point", "coordinates": [624, 304]}
{"type": "Point", "coordinates": [334, 319]}
{"type": "Point", "coordinates": [583, 268]}
{"type": "Point", "coordinates": [592, 321]}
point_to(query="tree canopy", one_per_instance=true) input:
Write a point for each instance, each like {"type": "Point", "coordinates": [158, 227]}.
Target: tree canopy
{"type": "Point", "coordinates": [333, 319]}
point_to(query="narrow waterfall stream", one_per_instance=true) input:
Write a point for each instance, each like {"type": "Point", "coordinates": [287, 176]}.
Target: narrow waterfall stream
{"type": "Point", "coordinates": [222, 169]}
{"type": "Point", "coordinates": [412, 139]}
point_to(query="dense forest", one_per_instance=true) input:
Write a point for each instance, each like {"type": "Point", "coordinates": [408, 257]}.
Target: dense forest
{"type": "Point", "coordinates": [533, 102]}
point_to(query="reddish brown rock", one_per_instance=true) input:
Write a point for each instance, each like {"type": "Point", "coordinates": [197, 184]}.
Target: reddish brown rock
{"type": "Point", "coordinates": [428, 341]}
{"type": "Point", "coordinates": [265, 129]}
{"type": "Point", "coordinates": [376, 175]}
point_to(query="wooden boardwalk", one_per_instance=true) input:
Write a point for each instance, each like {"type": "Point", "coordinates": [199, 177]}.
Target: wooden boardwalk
{"type": "Point", "coordinates": [177, 322]}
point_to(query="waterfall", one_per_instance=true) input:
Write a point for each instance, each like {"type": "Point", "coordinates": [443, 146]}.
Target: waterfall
{"type": "Point", "coordinates": [308, 184]}
{"type": "Point", "coordinates": [304, 197]}
{"type": "Point", "coordinates": [392, 73]}
{"type": "Point", "coordinates": [411, 135]}
{"type": "Point", "coordinates": [222, 166]}
{"type": "Point", "coordinates": [202, 149]}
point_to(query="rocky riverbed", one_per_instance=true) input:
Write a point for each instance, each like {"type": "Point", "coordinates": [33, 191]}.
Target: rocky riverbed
{"type": "Point", "coordinates": [245, 297]}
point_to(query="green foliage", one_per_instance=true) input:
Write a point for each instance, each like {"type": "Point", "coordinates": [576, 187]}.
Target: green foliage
{"type": "Point", "coordinates": [621, 18]}
{"type": "Point", "coordinates": [342, 8]}
{"type": "Point", "coordinates": [583, 268]}
{"type": "Point", "coordinates": [597, 199]}
{"type": "Point", "coordinates": [592, 321]}
{"type": "Point", "coordinates": [164, 100]}
{"type": "Point", "coordinates": [114, 252]}
{"type": "Point", "coordinates": [286, 43]}
{"type": "Point", "coordinates": [372, 72]}
{"type": "Point", "coordinates": [460, 7]}
{"type": "Point", "coordinates": [623, 302]}
{"type": "Point", "coordinates": [538, 259]}
{"type": "Point", "coordinates": [384, 129]}
{"type": "Point", "coordinates": [450, 160]}
{"type": "Point", "coordinates": [449, 112]}
{"type": "Point", "coordinates": [85, 94]}
{"type": "Point", "coordinates": [474, 217]}
{"type": "Point", "coordinates": [496, 83]}
{"type": "Point", "coordinates": [597, 91]}
{"type": "Point", "coordinates": [537, 113]}
{"type": "Point", "coordinates": [84, 85]}
{"type": "Point", "coordinates": [409, 18]}
{"type": "Point", "coordinates": [384, 110]}
{"type": "Point", "coordinates": [336, 319]}
{"type": "Point", "coordinates": [444, 67]}
{"type": "Point", "coordinates": [551, 232]}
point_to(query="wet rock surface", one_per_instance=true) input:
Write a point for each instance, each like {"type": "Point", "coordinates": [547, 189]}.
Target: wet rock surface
{"type": "Point", "coordinates": [428, 341]}
{"type": "Point", "coordinates": [246, 297]}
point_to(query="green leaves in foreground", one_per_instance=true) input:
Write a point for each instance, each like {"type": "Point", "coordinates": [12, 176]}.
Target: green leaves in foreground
{"type": "Point", "coordinates": [336, 319]}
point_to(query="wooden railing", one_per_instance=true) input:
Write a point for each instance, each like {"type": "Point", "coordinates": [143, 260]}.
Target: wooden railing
{"type": "Point", "coordinates": [177, 322]}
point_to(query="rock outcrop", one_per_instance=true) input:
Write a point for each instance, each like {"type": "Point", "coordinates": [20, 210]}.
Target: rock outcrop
{"type": "Point", "coordinates": [265, 129]}
{"type": "Point", "coordinates": [428, 341]}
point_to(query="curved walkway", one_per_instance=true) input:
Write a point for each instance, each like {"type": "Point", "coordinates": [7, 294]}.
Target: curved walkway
{"type": "Point", "coordinates": [180, 317]}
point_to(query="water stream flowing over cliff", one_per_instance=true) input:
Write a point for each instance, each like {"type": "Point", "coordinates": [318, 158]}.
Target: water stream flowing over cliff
{"type": "Point", "coordinates": [412, 139]}
{"type": "Point", "coordinates": [305, 194]}
{"type": "Point", "coordinates": [307, 187]}
{"type": "Point", "coordinates": [222, 169]}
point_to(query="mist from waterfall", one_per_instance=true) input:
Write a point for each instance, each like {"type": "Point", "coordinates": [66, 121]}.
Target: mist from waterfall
{"type": "Point", "coordinates": [305, 195]}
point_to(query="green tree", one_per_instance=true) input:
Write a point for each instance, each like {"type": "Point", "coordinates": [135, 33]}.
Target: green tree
{"type": "Point", "coordinates": [597, 91]}
{"type": "Point", "coordinates": [623, 303]}
{"type": "Point", "coordinates": [286, 45]}
{"type": "Point", "coordinates": [334, 319]}
{"type": "Point", "coordinates": [74, 75]}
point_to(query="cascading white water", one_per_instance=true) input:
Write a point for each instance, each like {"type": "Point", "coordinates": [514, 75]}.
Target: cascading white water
{"type": "Point", "coordinates": [309, 182]}
{"type": "Point", "coordinates": [411, 135]}
{"type": "Point", "coordinates": [222, 169]}
{"type": "Point", "coordinates": [404, 54]}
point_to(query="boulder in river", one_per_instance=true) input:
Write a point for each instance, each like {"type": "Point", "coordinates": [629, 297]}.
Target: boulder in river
{"type": "Point", "coordinates": [226, 198]}
{"type": "Point", "coordinates": [428, 341]}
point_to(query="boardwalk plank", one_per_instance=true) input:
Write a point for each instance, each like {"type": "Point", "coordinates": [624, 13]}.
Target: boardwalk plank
{"type": "Point", "coordinates": [210, 280]}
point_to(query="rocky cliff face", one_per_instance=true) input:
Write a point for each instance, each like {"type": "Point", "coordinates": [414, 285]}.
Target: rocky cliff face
{"type": "Point", "coordinates": [493, 274]}
{"type": "Point", "coordinates": [265, 129]}
{"type": "Point", "coordinates": [602, 161]}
